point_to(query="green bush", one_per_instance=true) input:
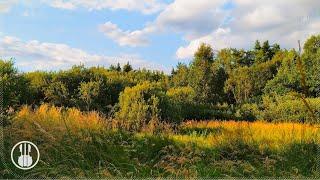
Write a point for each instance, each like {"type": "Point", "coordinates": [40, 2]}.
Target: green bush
{"type": "Point", "coordinates": [145, 102]}
{"type": "Point", "coordinates": [13, 86]}
{"type": "Point", "coordinates": [249, 112]}
{"type": "Point", "coordinates": [290, 108]}
{"type": "Point", "coordinates": [182, 94]}
{"type": "Point", "coordinates": [181, 98]}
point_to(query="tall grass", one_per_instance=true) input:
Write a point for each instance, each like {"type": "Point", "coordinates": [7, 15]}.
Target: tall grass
{"type": "Point", "coordinates": [268, 135]}
{"type": "Point", "coordinates": [74, 144]}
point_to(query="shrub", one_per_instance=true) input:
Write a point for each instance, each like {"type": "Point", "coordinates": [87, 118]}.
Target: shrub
{"type": "Point", "coordinates": [145, 102]}
{"type": "Point", "coordinates": [182, 94]}
{"type": "Point", "coordinates": [13, 85]}
{"type": "Point", "coordinates": [249, 112]}
{"type": "Point", "coordinates": [88, 93]}
{"type": "Point", "coordinates": [289, 108]}
{"type": "Point", "coordinates": [181, 98]}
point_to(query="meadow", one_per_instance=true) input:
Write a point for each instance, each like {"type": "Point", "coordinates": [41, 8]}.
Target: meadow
{"type": "Point", "coordinates": [230, 113]}
{"type": "Point", "coordinates": [86, 144]}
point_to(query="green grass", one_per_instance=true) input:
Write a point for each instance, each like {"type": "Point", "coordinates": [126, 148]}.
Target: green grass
{"type": "Point", "coordinates": [106, 152]}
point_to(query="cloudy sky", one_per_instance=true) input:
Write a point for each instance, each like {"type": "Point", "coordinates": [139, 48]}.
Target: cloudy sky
{"type": "Point", "coordinates": [157, 34]}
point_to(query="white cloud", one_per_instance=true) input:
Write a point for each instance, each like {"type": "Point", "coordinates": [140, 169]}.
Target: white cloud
{"type": "Point", "coordinates": [220, 38]}
{"type": "Point", "coordinates": [5, 5]}
{"type": "Point", "coordinates": [195, 18]}
{"type": "Point", "coordinates": [144, 6]}
{"type": "Point", "coordinates": [35, 55]}
{"type": "Point", "coordinates": [62, 4]}
{"type": "Point", "coordinates": [133, 38]}
{"type": "Point", "coordinates": [281, 21]}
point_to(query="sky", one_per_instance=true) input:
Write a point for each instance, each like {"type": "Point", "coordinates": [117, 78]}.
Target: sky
{"type": "Point", "coordinates": [153, 34]}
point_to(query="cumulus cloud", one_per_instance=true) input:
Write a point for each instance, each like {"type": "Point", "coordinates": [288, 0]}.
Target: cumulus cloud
{"type": "Point", "coordinates": [282, 21]}
{"type": "Point", "coordinates": [221, 23]}
{"type": "Point", "coordinates": [195, 18]}
{"type": "Point", "coordinates": [35, 55]}
{"type": "Point", "coordinates": [185, 16]}
{"type": "Point", "coordinates": [144, 6]}
{"type": "Point", "coordinates": [236, 25]}
{"type": "Point", "coordinates": [220, 37]}
{"type": "Point", "coordinates": [133, 38]}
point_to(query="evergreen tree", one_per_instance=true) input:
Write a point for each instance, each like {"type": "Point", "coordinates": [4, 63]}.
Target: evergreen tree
{"type": "Point", "coordinates": [127, 67]}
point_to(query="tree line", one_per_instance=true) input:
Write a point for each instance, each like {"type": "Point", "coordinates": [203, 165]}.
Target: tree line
{"type": "Point", "coordinates": [227, 84]}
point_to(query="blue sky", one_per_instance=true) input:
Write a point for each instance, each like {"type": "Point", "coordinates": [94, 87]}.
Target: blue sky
{"type": "Point", "coordinates": [43, 34]}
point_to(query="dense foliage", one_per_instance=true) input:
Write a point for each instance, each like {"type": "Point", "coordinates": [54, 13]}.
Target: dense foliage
{"type": "Point", "coordinates": [225, 84]}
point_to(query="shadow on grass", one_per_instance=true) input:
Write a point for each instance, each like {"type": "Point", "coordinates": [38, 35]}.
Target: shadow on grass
{"type": "Point", "coordinates": [122, 154]}
{"type": "Point", "coordinates": [201, 131]}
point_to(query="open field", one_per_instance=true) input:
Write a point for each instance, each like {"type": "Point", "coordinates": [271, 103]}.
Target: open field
{"type": "Point", "coordinates": [238, 113]}
{"type": "Point", "coordinates": [77, 144]}
{"type": "Point", "coordinates": [159, 89]}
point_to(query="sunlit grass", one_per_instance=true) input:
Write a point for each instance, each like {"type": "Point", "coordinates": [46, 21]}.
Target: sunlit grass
{"type": "Point", "coordinates": [85, 144]}
{"type": "Point", "coordinates": [52, 122]}
{"type": "Point", "coordinates": [268, 135]}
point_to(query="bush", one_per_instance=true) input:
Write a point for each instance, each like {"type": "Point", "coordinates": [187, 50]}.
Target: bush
{"type": "Point", "coordinates": [145, 102]}
{"type": "Point", "coordinates": [181, 98]}
{"type": "Point", "coordinates": [13, 86]}
{"type": "Point", "coordinates": [249, 112]}
{"type": "Point", "coordinates": [290, 108]}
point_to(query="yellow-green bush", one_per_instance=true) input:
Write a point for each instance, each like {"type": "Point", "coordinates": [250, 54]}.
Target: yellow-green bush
{"type": "Point", "coordinates": [145, 102]}
{"type": "Point", "coordinates": [290, 108]}
{"type": "Point", "coordinates": [182, 94]}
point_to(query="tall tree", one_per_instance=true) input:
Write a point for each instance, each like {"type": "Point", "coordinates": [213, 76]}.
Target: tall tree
{"type": "Point", "coordinates": [203, 76]}
{"type": "Point", "coordinates": [257, 45]}
{"type": "Point", "coordinates": [180, 75]}
{"type": "Point", "coordinates": [127, 67]}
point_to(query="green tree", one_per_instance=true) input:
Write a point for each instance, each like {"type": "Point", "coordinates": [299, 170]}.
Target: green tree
{"type": "Point", "coordinates": [13, 84]}
{"type": "Point", "coordinates": [115, 68]}
{"type": "Point", "coordinates": [38, 82]}
{"type": "Point", "coordinates": [291, 72]}
{"type": "Point", "coordinates": [58, 94]}
{"type": "Point", "coordinates": [247, 83]}
{"type": "Point", "coordinates": [312, 45]}
{"type": "Point", "coordinates": [127, 67]}
{"type": "Point", "coordinates": [311, 65]}
{"type": "Point", "coordinates": [265, 52]}
{"type": "Point", "coordinates": [239, 84]}
{"type": "Point", "coordinates": [201, 76]}
{"type": "Point", "coordinates": [180, 75]}
{"type": "Point", "coordinates": [257, 45]}
{"type": "Point", "coordinates": [88, 93]}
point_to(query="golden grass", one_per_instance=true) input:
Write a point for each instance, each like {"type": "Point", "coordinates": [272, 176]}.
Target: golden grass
{"type": "Point", "coordinates": [54, 121]}
{"type": "Point", "coordinates": [268, 135]}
